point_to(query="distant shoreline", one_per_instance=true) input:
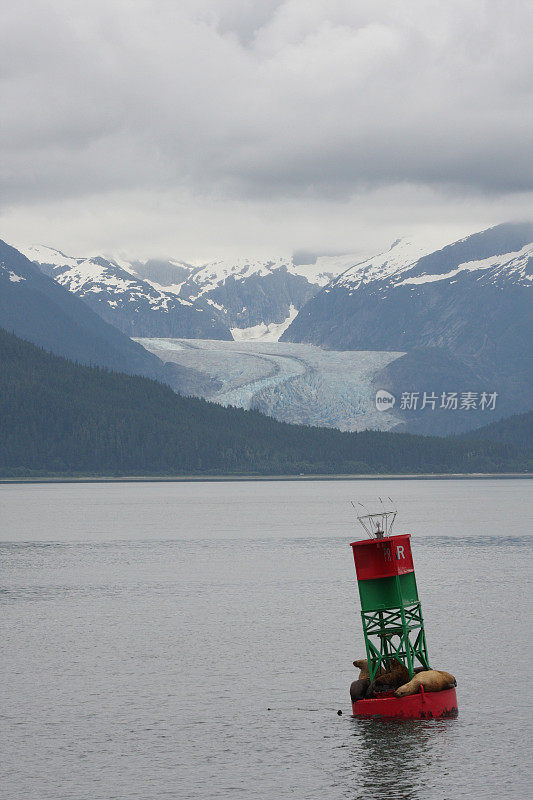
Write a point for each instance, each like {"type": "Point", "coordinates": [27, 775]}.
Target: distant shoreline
{"type": "Point", "coordinates": [234, 478]}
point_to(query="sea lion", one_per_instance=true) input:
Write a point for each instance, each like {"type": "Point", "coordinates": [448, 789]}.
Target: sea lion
{"type": "Point", "coordinates": [433, 680]}
{"type": "Point", "coordinates": [362, 665]}
{"type": "Point", "coordinates": [358, 689]}
{"type": "Point", "coordinates": [395, 675]}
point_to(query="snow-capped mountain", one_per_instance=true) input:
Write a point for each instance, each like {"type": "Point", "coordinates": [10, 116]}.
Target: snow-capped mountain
{"type": "Point", "coordinates": [215, 273]}
{"type": "Point", "coordinates": [242, 299]}
{"type": "Point", "coordinates": [135, 305]}
{"type": "Point", "coordinates": [402, 253]}
{"type": "Point", "coordinates": [256, 299]}
{"type": "Point", "coordinates": [35, 308]}
{"type": "Point", "coordinates": [411, 296]}
{"type": "Point", "coordinates": [463, 314]}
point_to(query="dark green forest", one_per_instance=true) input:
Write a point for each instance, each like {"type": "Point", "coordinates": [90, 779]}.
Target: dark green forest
{"type": "Point", "coordinates": [62, 418]}
{"type": "Point", "coordinates": [516, 430]}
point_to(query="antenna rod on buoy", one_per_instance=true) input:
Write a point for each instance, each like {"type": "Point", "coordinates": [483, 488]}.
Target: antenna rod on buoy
{"type": "Point", "coordinates": [378, 524]}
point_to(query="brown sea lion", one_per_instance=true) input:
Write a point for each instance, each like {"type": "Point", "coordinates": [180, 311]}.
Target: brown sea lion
{"type": "Point", "coordinates": [358, 689]}
{"type": "Point", "coordinates": [433, 680]}
{"type": "Point", "coordinates": [395, 675]}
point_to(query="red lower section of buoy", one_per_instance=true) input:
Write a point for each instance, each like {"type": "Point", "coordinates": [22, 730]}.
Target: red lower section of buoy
{"type": "Point", "coordinates": [423, 705]}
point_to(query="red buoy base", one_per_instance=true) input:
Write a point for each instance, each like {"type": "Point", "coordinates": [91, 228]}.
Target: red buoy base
{"type": "Point", "coordinates": [423, 705]}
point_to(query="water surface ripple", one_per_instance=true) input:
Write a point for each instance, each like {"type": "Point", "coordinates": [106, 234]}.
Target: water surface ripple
{"type": "Point", "coordinates": [148, 629]}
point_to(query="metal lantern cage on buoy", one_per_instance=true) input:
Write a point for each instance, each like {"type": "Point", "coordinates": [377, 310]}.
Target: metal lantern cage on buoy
{"type": "Point", "coordinates": [391, 613]}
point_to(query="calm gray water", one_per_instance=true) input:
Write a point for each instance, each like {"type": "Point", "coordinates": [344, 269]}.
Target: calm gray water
{"type": "Point", "coordinates": [146, 629]}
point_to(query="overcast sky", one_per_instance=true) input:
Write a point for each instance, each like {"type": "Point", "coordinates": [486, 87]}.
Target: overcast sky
{"type": "Point", "coordinates": [205, 128]}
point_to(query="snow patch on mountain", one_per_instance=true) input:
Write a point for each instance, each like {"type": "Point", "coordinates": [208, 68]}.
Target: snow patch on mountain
{"type": "Point", "coordinates": [514, 264]}
{"type": "Point", "coordinates": [325, 268]}
{"type": "Point", "coordinates": [12, 277]}
{"type": "Point", "coordinates": [89, 275]}
{"type": "Point", "coordinates": [120, 285]}
{"type": "Point", "coordinates": [402, 254]}
{"type": "Point", "coordinates": [262, 332]}
{"type": "Point", "coordinates": [173, 288]}
{"type": "Point", "coordinates": [216, 273]}
{"type": "Point", "coordinates": [49, 256]}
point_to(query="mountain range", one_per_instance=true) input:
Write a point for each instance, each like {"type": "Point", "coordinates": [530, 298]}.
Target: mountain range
{"type": "Point", "coordinates": [220, 300]}
{"type": "Point", "coordinates": [458, 315]}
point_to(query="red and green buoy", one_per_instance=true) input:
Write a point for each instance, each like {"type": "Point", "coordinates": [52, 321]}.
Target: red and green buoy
{"type": "Point", "coordinates": [391, 614]}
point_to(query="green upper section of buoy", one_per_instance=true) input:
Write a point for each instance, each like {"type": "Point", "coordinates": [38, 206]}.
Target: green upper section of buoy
{"type": "Point", "coordinates": [393, 592]}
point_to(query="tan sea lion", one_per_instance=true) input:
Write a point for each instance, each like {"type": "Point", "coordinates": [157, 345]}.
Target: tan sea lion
{"type": "Point", "coordinates": [433, 680]}
{"type": "Point", "coordinates": [362, 665]}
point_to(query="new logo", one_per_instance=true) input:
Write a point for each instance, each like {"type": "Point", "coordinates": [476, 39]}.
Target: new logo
{"type": "Point", "coordinates": [384, 400]}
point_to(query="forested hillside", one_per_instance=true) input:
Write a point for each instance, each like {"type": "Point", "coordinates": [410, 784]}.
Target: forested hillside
{"type": "Point", "coordinates": [516, 430]}
{"type": "Point", "coordinates": [57, 417]}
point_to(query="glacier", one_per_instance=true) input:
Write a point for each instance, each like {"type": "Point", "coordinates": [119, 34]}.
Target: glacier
{"type": "Point", "coordinates": [296, 383]}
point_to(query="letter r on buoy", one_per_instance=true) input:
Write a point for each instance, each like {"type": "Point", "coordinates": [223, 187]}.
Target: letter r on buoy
{"type": "Point", "coordinates": [399, 550]}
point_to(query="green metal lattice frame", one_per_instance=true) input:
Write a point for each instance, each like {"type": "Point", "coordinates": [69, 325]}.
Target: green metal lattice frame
{"type": "Point", "coordinates": [399, 634]}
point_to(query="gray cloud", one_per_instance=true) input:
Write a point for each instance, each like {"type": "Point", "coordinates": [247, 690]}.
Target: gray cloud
{"type": "Point", "coordinates": [274, 102]}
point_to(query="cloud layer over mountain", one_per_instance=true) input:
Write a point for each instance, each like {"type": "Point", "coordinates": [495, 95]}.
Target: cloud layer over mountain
{"type": "Point", "coordinates": [213, 116]}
